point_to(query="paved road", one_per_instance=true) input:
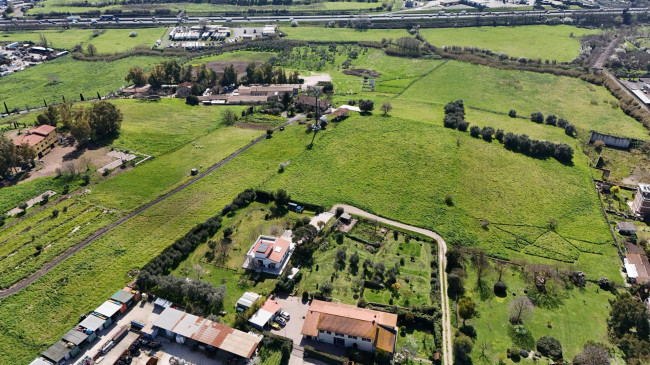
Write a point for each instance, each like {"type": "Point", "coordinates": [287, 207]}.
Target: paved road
{"type": "Point", "coordinates": [442, 259]}
{"type": "Point", "coordinates": [101, 232]}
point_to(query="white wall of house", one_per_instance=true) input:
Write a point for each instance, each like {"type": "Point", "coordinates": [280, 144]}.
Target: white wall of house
{"type": "Point", "coordinates": [367, 345]}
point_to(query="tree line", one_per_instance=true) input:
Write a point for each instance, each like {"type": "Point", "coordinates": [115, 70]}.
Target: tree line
{"type": "Point", "coordinates": [455, 119]}
{"type": "Point", "coordinates": [85, 123]}
{"type": "Point", "coordinates": [170, 72]}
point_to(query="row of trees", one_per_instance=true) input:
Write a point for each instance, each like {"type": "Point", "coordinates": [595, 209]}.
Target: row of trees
{"type": "Point", "coordinates": [170, 72]}
{"type": "Point", "coordinates": [553, 120]}
{"type": "Point", "coordinates": [455, 119]}
{"type": "Point", "coordinates": [101, 119]}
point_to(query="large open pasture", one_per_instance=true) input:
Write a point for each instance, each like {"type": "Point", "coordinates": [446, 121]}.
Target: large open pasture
{"type": "Point", "coordinates": [342, 34]}
{"type": "Point", "coordinates": [401, 166]}
{"type": "Point", "coordinates": [67, 77]}
{"type": "Point", "coordinates": [548, 42]}
{"type": "Point", "coordinates": [106, 40]}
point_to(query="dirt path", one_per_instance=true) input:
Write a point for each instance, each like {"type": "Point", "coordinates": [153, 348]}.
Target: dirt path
{"type": "Point", "coordinates": [442, 259]}
{"type": "Point", "coordinates": [600, 62]}
{"type": "Point", "coordinates": [101, 232]}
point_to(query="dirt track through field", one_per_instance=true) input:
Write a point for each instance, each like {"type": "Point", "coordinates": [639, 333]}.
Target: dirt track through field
{"type": "Point", "coordinates": [442, 259]}
{"type": "Point", "coordinates": [101, 232]}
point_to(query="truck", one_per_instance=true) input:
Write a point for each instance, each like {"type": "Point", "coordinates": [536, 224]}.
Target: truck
{"type": "Point", "coordinates": [106, 17]}
{"type": "Point", "coordinates": [74, 18]}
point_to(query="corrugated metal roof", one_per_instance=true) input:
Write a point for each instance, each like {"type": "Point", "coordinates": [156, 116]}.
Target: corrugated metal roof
{"type": "Point", "coordinates": [56, 352]}
{"type": "Point", "coordinates": [122, 296]}
{"type": "Point", "coordinates": [92, 323]}
{"type": "Point", "coordinates": [240, 343]}
{"type": "Point", "coordinates": [74, 336]}
{"type": "Point", "coordinates": [40, 361]}
{"type": "Point", "coordinates": [168, 318]}
{"type": "Point", "coordinates": [108, 309]}
{"type": "Point", "coordinates": [260, 318]}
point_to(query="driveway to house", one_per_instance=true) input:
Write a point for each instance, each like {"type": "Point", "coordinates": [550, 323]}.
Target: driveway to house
{"type": "Point", "coordinates": [297, 309]}
{"type": "Point", "coordinates": [442, 259]}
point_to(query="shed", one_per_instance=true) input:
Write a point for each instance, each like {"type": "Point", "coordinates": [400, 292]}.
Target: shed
{"type": "Point", "coordinates": [93, 323]}
{"type": "Point", "coordinates": [246, 301]}
{"type": "Point", "coordinates": [40, 361]}
{"type": "Point", "coordinates": [75, 340]}
{"type": "Point", "coordinates": [57, 353]}
{"type": "Point", "coordinates": [108, 309]}
{"type": "Point", "coordinates": [345, 217]}
{"type": "Point", "coordinates": [124, 297]}
{"type": "Point", "coordinates": [626, 228]}
{"type": "Point", "coordinates": [162, 303]}
{"type": "Point", "coordinates": [260, 319]}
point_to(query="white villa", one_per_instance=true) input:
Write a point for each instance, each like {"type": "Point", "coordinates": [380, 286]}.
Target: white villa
{"type": "Point", "coordinates": [269, 254]}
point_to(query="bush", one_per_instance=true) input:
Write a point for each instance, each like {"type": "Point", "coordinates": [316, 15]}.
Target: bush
{"type": "Point", "coordinates": [487, 133]}
{"type": "Point", "coordinates": [599, 145]}
{"type": "Point", "coordinates": [475, 131]}
{"type": "Point", "coordinates": [500, 289]}
{"type": "Point", "coordinates": [512, 113]}
{"type": "Point", "coordinates": [551, 120]}
{"type": "Point", "coordinates": [550, 347]}
{"type": "Point", "coordinates": [498, 135]}
{"type": "Point", "coordinates": [55, 213]}
{"type": "Point", "coordinates": [537, 117]}
{"type": "Point", "coordinates": [339, 211]}
{"type": "Point", "coordinates": [192, 100]}
{"type": "Point", "coordinates": [462, 126]}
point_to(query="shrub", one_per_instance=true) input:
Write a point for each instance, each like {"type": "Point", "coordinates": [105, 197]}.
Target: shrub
{"type": "Point", "coordinates": [551, 120]}
{"type": "Point", "coordinates": [339, 211]}
{"type": "Point", "coordinates": [463, 125]}
{"type": "Point", "coordinates": [448, 200]}
{"type": "Point", "coordinates": [537, 117]}
{"type": "Point", "coordinates": [498, 135]}
{"type": "Point", "coordinates": [192, 100]}
{"type": "Point", "coordinates": [512, 113]}
{"type": "Point", "coordinates": [500, 288]}
{"type": "Point", "coordinates": [475, 131]}
{"type": "Point", "coordinates": [22, 206]}
{"type": "Point", "coordinates": [55, 213]}
{"type": "Point", "coordinates": [487, 133]}
{"type": "Point", "coordinates": [599, 145]}
{"type": "Point", "coordinates": [550, 347]}
{"type": "Point", "coordinates": [86, 179]}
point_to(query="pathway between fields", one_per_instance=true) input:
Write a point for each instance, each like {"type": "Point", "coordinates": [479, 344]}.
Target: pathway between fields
{"type": "Point", "coordinates": [442, 259]}
{"type": "Point", "coordinates": [101, 232]}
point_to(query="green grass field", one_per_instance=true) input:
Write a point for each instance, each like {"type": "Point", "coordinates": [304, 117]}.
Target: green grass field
{"type": "Point", "coordinates": [63, 77]}
{"type": "Point", "coordinates": [401, 166]}
{"type": "Point", "coordinates": [569, 323]}
{"type": "Point", "coordinates": [557, 42]}
{"type": "Point", "coordinates": [106, 41]}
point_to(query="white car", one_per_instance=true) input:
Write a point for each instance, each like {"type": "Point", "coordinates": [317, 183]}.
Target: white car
{"type": "Point", "coordinates": [285, 315]}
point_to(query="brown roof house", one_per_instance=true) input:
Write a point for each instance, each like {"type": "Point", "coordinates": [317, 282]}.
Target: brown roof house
{"type": "Point", "coordinates": [183, 90]}
{"type": "Point", "coordinates": [308, 103]}
{"type": "Point", "coordinates": [42, 139]}
{"type": "Point", "coordinates": [347, 325]}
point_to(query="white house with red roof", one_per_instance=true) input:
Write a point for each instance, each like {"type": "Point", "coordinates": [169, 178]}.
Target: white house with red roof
{"type": "Point", "coordinates": [269, 254]}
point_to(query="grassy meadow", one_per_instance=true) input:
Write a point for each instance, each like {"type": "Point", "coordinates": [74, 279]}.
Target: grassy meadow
{"type": "Point", "coordinates": [67, 77]}
{"type": "Point", "coordinates": [106, 40]}
{"type": "Point", "coordinates": [548, 42]}
{"type": "Point", "coordinates": [400, 166]}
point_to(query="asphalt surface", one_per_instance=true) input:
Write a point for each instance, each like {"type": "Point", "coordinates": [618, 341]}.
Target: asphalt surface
{"type": "Point", "coordinates": [442, 259]}
{"type": "Point", "coordinates": [18, 286]}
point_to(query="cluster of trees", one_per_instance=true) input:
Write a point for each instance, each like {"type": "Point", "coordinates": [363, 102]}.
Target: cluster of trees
{"type": "Point", "coordinates": [170, 72]}
{"type": "Point", "coordinates": [629, 329]}
{"type": "Point", "coordinates": [455, 119]}
{"type": "Point", "coordinates": [198, 296]}
{"type": "Point", "coordinates": [102, 119]}
{"type": "Point", "coordinates": [535, 148]}
{"type": "Point", "coordinates": [553, 120]}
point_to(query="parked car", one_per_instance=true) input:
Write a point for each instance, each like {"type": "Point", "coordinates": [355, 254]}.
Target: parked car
{"type": "Point", "coordinates": [285, 315]}
{"type": "Point", "coordinates": [275, 326]}
{"type": "Point", "coordinates": [279, 320]}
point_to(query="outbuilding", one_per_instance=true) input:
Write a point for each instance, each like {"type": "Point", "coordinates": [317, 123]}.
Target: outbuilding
{"type": "Point", "coordinates": [92, 323]}
{"type": "Point", "coordinates": [77, 339]}
{"type": "Point", "coordinates": [626, 228]}
{"type": "Point", "coordinates": [57, 353]}
{"type": "Point", "coordinates": [40, 361]}
{"type": "Point", "coordinates": [246, 301]}
{"type": "Point", "coordinates": [161, 303]}
{"type": "Point", "coordinates": [123, 297]}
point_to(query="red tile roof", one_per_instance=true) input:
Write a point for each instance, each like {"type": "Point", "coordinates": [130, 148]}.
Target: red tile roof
{"type": "Point", "coordinates": [43, 130]}
{"type": "Point", "coordinates": [271, 306]}
{"type": "Point", "coordinates": [280, 248]}
{"type": "Point", "coordinates": [31, 139]}
{"type": "Point", "coordinates": [351, 320]}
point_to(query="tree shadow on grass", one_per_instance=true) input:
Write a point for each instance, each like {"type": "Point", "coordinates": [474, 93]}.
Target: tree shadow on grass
{"type": "Point", "coordinates": [521, 337]}
{"type": "Point", "coordinates": [484, 290]}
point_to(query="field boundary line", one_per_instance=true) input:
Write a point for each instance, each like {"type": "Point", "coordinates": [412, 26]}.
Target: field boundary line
{"type": "Point", "coordinates": [25, 282]}
{"type": "Point", "coordinates": [420, 78]}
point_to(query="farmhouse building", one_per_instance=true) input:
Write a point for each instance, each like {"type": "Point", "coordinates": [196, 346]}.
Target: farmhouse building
{"type": "Point", "coordinates": [187, 328]}
{"type": "Point", "coordinates": [308, 103]}
{"type": "Point", "coordinates": [626, 228]}
{"type": "Point", "coordinates": [637, 267]}
{"type": "Point", "coordinates": [641, 202]}
{"type": "Point", "coordinates": [269, 254]}
{"type": "Point", "coordinates": [42, 139]}
{"type": "Point", "coordinates": [184, 90]}
{"type": "Point", "coordinates": [351, 326]}
{"type": "Point", "coordinates": [252, 95]}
